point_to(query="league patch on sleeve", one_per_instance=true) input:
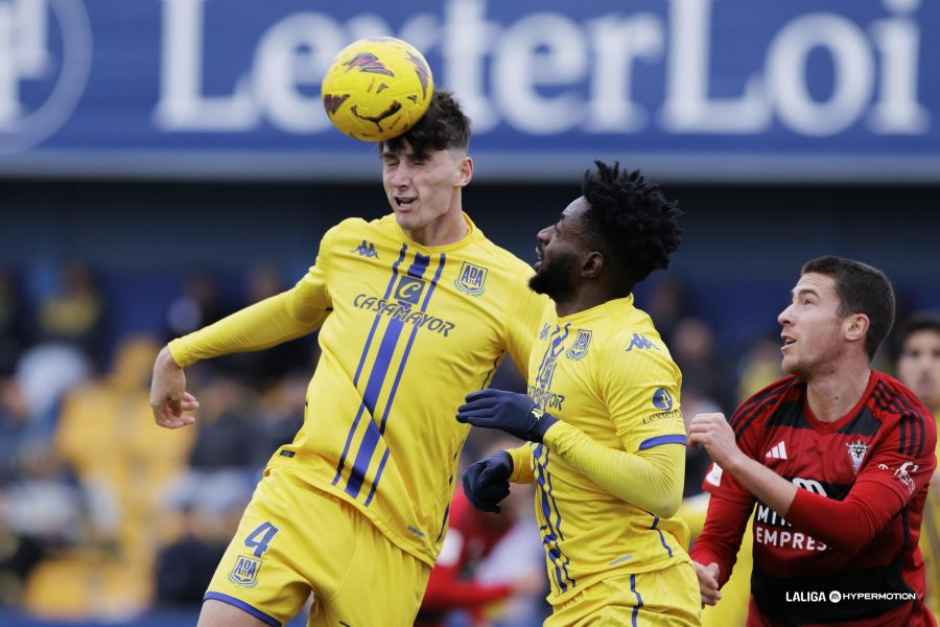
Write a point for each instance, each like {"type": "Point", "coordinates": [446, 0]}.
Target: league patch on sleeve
{"type": "Point", "coordinates": [714, 475]}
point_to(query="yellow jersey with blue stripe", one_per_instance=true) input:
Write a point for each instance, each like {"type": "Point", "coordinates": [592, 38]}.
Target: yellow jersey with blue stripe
{"type": "Point", "coordinates": [605, 372]}
{"type": "Point", "coordinates": [410, 330]}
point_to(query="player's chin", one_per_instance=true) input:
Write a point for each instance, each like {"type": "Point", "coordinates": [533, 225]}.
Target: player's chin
{"type": "Point", "coordinates": [790, 365]}
{"type": "Point", "coordinates": [406, 219]}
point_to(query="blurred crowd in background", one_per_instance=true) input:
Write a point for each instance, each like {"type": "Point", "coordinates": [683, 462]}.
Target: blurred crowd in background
{"type": "Point", "coordinates": [102, 513]}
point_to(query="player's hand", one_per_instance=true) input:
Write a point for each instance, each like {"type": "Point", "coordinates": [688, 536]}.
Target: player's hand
{"type": "Point", "coordinates": [708, 582]}
{"type": "Point", "coordinates": [173, 407]}
{"type": "Point", "coordinates": [714, 433]}
{"type": "Point", "coordinates": [516, 414]}
{"type": "Point", "coordinates": [486, 482]}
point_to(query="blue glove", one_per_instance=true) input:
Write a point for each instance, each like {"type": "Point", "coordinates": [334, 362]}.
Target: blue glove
{"type": "Point", "coordinates": [516, 414]}
{"type": "Point", "coordinates": [486, 482]}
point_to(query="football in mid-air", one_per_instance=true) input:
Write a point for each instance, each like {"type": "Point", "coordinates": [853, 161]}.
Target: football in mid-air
{"type": "Point", "coordinates": [377, 88]}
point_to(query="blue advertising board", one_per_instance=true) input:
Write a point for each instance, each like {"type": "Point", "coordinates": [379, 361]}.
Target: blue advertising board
{"type": "Point", "coordinates": [686, 89]}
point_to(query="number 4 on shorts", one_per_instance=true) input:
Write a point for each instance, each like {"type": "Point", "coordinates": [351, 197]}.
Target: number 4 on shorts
{"type": "Point", "coordinates": [266, 531]}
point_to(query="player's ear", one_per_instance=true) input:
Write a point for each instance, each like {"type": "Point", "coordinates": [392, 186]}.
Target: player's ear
{"type": "Point", "coordinates": [855, 327]}
{"type": "Point", "coordinates": [593, 265]}
{"type": "Point", "coordinates": [464, 171]}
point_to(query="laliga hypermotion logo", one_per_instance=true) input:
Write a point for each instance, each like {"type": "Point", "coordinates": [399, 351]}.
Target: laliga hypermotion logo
{"type": "Point", "coordinates": [45, 58]}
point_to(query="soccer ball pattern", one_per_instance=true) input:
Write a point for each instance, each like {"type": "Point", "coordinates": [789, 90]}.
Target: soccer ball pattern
{"type": "Point", "coordinates": [376, 89]}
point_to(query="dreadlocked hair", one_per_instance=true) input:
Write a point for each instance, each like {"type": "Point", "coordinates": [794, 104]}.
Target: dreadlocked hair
{"type": "Point", "coordinates": [637, 226]}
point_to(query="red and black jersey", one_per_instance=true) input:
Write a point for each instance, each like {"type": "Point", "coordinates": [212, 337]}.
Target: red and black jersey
{"type": "Point", "coordinates": [471, 537]}
{"type": "Point", "coordinates": [854, 524]}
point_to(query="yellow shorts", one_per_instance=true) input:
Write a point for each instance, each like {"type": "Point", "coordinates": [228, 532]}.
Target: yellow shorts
{"type": "Point", "coordinates": [293, 539]}
{"type": "Point", "coordinates": [662, 597]}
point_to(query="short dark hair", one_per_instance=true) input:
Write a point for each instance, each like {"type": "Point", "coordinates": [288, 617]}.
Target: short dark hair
{"type": "Point", "coordinates": [637, 225]}
{"type": "Point", "coordinates": [920, 321]}
{"type": "Point", "coordinates": [443, 126]}
{"type": "Point", "coordinates": [861, 289]}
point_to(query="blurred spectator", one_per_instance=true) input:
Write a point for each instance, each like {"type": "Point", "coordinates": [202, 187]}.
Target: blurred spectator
{"type": "Point", "coordinates": [502, 592]}
{"type": "Point", "coordinates": [281, 413]}
{"type": "Point", "coordinates": [210, 506]}
{"type": "Point", "coordinates": [919, 369]}
{"type": "Point", "coordinates": [185, 566]}
{"type": "Point", "coordinates": [696, 459]}
{"type": "Point", "coordinates": [75, 312]}
{"type": "Point", "coordinates": [14, 427]}
{"type": "Point", "coordinates": [16, 333]}
{"type": "Point", "coordinates": [693, 348]}
{"type": "Point", "coordinates": [668, 305]}
{"type": "Point", "coordinates": [42, 511]}
{"type": "Point", "coordinates": [261, 369]}
{"type": "Point", "coordinates": [759, 367]}
{"type": "Point", "coordinates": [44, 374]}
{"type": "Point", "coordinates": [227, 428]}
{"type": "Point", "coordinates": [124, 462]}
{"type": "Point", "coordinates": [199, 305]}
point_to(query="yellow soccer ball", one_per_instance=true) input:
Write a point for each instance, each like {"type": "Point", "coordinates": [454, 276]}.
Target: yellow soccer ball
{"type": "Point", "coordinates": [376, 89]}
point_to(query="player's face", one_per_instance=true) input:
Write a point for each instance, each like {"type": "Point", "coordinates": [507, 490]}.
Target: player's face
{"type": "Point", "coordinates": [558, 253]}
{"type": "Point", "coordinates": [812, 331]}
{"type": "Point", "coordinates": [919, 366]}
{"type": "Point", "coordinates": [422, 188]}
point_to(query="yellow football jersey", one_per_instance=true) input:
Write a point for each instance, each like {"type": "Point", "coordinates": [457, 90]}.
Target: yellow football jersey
{"type": "Point", "coordinates": [607, 372]}
{"type": "Point", "coordinates": [930, 541]}
{"type": "Point", "coordinates": [411, 330]}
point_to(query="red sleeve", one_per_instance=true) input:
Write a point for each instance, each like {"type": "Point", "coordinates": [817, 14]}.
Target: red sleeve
{"type": "Point", "coordinates": [900, 468]}
{"type": "Point", "coordinates": [446, 591]}
{"type": "Point", "coordinates": [721, 537]}
{"type": "Point", "coordinates": [731, 505]}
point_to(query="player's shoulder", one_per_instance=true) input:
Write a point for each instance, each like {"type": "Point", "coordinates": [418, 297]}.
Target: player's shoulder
{"type": "Point", "coordinates": [891, 396]}
{"type": "Point", "coordinates": [632, 347]}
{"type": "Point", "coordinates": [898, 408]}
{"type": "Point", "coordinates": [762, 403]}
{"type": "Point", "coordinates": [632, 334]}
{"type": "Point", "coordinates": [349, 228]}
{"type": "Point", "coordinates": [505, 275]}
{"type": "Point", "coordinates": [365, 237]}
{"type": "Point", "coordinates": [500, 259]}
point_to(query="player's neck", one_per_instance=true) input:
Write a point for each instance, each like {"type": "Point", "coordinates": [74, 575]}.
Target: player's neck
{"type": "Point", "coordinates": [447, 229]}
{"type": "Point", "coordinates": [586, 297]}
{"type": "Point", "coordinates": [834, 391]}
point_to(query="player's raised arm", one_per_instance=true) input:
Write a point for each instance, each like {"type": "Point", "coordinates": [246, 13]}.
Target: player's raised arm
{"type": "Point", "coordinates": [640, 395]}
{"type": "Point", "coordinates": [641, 391]}
{"type": "Point", "coordinates": [272, 321]}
